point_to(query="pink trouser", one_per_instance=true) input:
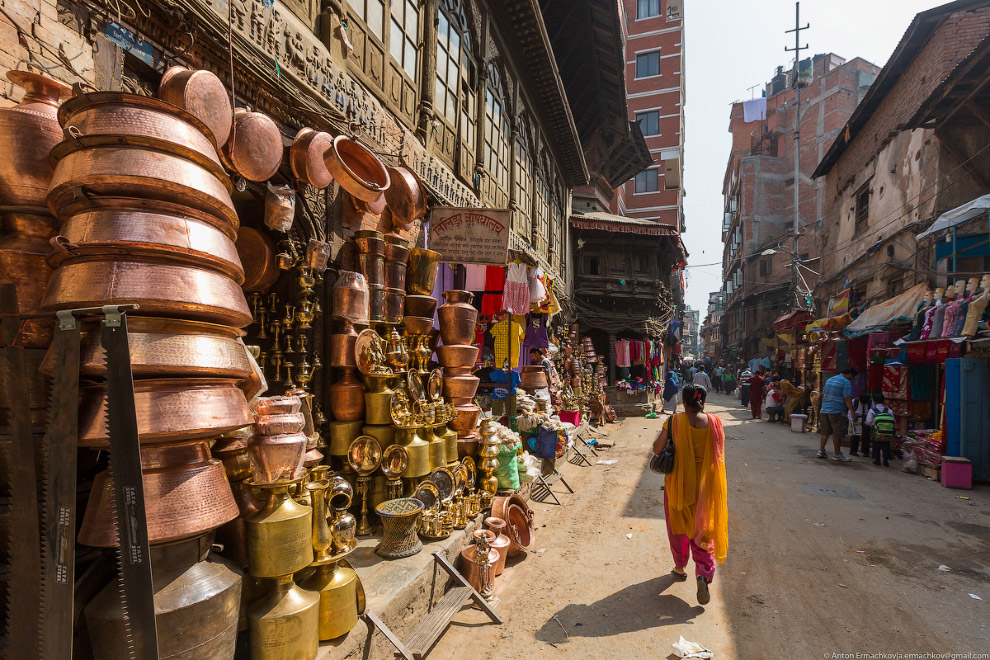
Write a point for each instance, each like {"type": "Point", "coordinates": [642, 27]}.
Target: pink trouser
{"type": "Point", "coordinates": [683, 547]}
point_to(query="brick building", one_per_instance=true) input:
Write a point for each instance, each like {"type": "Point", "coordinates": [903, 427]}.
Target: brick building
{"type": "Point", "coordinates": [914, 149]}
{"type": "Point", "coordinates": [758, 190]}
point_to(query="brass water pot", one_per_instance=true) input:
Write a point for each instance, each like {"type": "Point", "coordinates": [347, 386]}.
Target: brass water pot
{"type": "Point", "coordinates": [421, 274]}
{"type": "Point", "coordinates": [342, 434]}
{"type": "Point", "coordinates": [418, 450]}
{"type": "Point", "coordinates": [457, 318]}
{"type": "Point", "coordinates": [284, 624]}
{"type": "Point", "coordinates": [378, 398]}
{"type": "Point", "coordinates": [383, 433]}
{"type": "Point", "coordinates": [341, 594]}
{"type": "Point", "coordinates": [280, 534]}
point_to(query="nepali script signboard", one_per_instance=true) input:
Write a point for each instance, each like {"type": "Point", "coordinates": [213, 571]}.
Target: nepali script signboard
{"type": "Point", "coordinates": [470, 236]}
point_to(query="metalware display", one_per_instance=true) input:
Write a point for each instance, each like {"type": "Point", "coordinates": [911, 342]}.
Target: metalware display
{"type": "Point", "coordinates": [417, 305]}
{"type": "Point", "coordinates": [364, 456]}
{"type": "Point", "coordinates": [24, 252]}
{"type": "Point", "coordinates": [169, 409]}
{"type": "Point", "coordinates": [395, 460]}
{"type": "Point", "coordinates": [201, 94]}
{"type": "Point", "coordinates": [258, 258]}
{"type": "Point", "coordinates": [187, 493]}
{"type": "Point", "coordinates": [444, 481]}
{"type": "Point", "coordinates": [488, 463]}
{"type": "Point", "coordinates": [421, 274]}
{"type": "Point", "coordinates": [254, 149]}
{"type": "Point", "coordinates": [399, 523]}
{"type": "Point", "coordinates": [284, 624]}
{"type": "Point", "coordinates": [372, 266]}
{"type": "Point", "coordinates": [280, 534]}
{"type": "Point", "coordinates": [518, 517]}
{"type": "Point", "coordinates": [427, 493]}
{"type": "Point", "coordinates": [342, 434]}
{"type": "Point", "coordinates": [277, 457]}
{"type": "Point", "coordinates": [165, 289]}
{"type": "Point", "coordinates": [347, 397]}
{"type": "Point", "coordinates": [478, 563]}
{"type": "Point", "coordinates": [457, 318]}
{"type": "Point", "coordinates": [196, 598]}
{"type": "Point", "coordinates": [28, 132]}
{"type": "Point", "coordinates": [357, 169]}
{"type": "Point", "coordinates": [306, 157]}
{"type": "Point", "coordinates": [405, 196]}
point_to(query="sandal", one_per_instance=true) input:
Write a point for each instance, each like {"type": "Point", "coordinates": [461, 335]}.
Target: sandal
{"type": "Point", "coordinates": [703, 596]}
{"type": "Point", "coordinates": [680, 577]}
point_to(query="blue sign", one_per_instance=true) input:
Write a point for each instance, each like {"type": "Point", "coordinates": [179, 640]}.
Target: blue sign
{"type": "Point", "coordinates": [130, 42]}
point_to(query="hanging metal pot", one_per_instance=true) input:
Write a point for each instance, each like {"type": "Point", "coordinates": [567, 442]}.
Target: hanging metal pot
{"type": "Point", "coordinates": [405, 195]}
{"type": "Point", "coordinates": [201, 94]}
{"type": "Point", "coordinates": [259, 258]}
{"type": "Point", "coordinates": [254, 149]}
{"type": "Point", "coordinates": [24, 252]}
{"type": "Point", "coordinates": [306, 157]}
{"type": "Point", "coordinates": [357, 169]}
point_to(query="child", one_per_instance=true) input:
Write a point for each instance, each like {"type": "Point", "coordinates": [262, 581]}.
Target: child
{"type": "Point", "coordinates": [883, 433]}
{"type": "Point", "coordinates": [877, 408]}
{"type": "Point", "coordinates": [857, 428]}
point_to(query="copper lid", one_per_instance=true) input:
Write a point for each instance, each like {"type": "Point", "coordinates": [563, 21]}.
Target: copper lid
{"type": "Point", "coordinates": [257, 255]}
{"type": "Point", "coordinates": [203, 95]}
{"type": "Point", "coordinates": [254, 149]}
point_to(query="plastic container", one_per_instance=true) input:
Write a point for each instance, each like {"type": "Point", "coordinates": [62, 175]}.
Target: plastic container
{"type": "Point", "coordinates": [798, 422]}
{"type": "Point", "coordinates": [957, 472]}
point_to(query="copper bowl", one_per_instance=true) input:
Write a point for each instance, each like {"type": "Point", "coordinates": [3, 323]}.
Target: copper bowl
{"type": "Point", "coordinates": [460, 386]}
{"type": "Point", "coordinates": [157, 235]}
{"type": "Point", "coordinates": [280, 423]}
{"type": "Point", "coordinates": [185, 493]}
{"type": "Point", "coordinates": [519, 522]}
{"type": "Point", "coordinates": [277, 405]}
{"type": "Point", "coordinates": [85, 176]}
{"type": "Point", "coordinates": [417, 305]}
{"type": "Point", "coordinates": [306, 157]}
{"type": "Point", "coordinates": [277, 457]}
{"type": "Point", "coordinates": [405, 196]}
{"type": "Point", "coordinates": [257, 254]}
{"type": "Point", "coordinates": [357, 169]}
{"type": "Point", "coordinates": [160, 289]}
{"type": "Point", "coordinates": [166, 347]}
{"type": "Point", "coordinates": [394, 298]}
{"type": "Point", "coordinates": [255, 148]}
{"type": "Point", "coordinates": [169, 409]}
{"type": "Point", "coordinates": [457, 355]}
{"type": "Point", "coordinates": [417, 325]}
{"type": "Point", "coordinates": [202, 94]}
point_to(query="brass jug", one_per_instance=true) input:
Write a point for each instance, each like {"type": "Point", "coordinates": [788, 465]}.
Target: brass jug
{"type": "Point", "coordinates": [449, 438]}
{"type": "Point", "coordinates": [280, 535]}
{"type": "Point", "coordinates": [438, 448]}
{"type": "Point", "coordinates": [378, 399]}
{"type": "Point", "coordinates": [342, 434]}
{"type": "Point", "coordinates": [284, 624]}
{"type": "Point", "coordinates": [383, 433]}
{"type": "Point", "coordinates": [341, 597]}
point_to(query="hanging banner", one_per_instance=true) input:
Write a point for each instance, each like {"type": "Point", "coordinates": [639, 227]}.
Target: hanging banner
{"type": "Point", "coordinates": [470, 236]}
{"type": "Point", "coordinates": [839, 305]}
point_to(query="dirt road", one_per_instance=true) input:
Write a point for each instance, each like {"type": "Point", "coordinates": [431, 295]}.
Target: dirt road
{"type": "Point", "coordinates": [823, 558]}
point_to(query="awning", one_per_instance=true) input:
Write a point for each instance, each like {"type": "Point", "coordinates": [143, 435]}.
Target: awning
{"type": "Point", "coordinates": [957, 216]}
{"type": "Point", "coordinates": [620, 223]}
{"type": "Point", "coordinates": [798, 317]}
{"type": "Point", "coordinates": [878, 317]}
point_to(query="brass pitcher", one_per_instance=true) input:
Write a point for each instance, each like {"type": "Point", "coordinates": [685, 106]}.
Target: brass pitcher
{"type": "Point", "coordinates": [421, 274]}
{"type": "Point", "coordinates": [341, 595]}
{"type": "Point", "coordinates": [284, 625]}
{"type": "Point", "coordinates": [280, 535]}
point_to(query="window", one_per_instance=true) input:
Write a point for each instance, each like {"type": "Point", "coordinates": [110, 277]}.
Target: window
{"type": "Point", "coordinates": [541, 239]}
{"type": "Point", "coordinates": [642, 263]}
{"type": "Point", "coordinates": [647, 64]}
{"type": "Point", "coordinates": [647, 8]}
{"type": "Point", "coordinates": [558, 227]}
{"type": "Point", "coordinates": [862, 209]}
{"type": "Point", "coordinates": [647, 182]}
{"type": "Point", "coordinates": [524, 183]}
{"type": "Point", "coordinates": [616, 263]}
{"type": "Point", "coordinates": [591, 266]}
{"type": "Point", "coordinates": [496, 143]}
{"type": "Point", "coordinates": [448, 68]}
{"type": "Point", "coordinates": [404, 35]}
{"type": "Point", "coordinates": [649, 122]}
{"type": "Point", "coordinates": [372, 12]}
{"type": "Point", "coordinates": [766, 266]}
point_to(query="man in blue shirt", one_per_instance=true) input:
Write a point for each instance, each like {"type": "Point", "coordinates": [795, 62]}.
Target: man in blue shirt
{"type": "Point", "coordinates": [836, 403]}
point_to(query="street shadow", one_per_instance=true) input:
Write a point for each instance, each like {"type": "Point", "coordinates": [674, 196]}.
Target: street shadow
{"type": "Point", "coordinates": [637, 607]}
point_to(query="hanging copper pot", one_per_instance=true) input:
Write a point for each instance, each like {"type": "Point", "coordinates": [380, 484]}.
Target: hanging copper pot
{"type": "Point", "coordinates": [417, 305]}
{"type": "Point", "coordinates": [519, 522]}
{"type": "Point", "coordinates": [357, 169]}
{"type": "Point", "coordinates": [277, 457]}
{"type": "Point", "coordinates": [24, 253]}
{"type": "Point", "coordinates": [254, 149]}
{"type": "Point", "coordinates": [166, 347]}
{"type": "Point", "coordinates": [114, 118]}
{"type": "Point", "coordinates": [185, 493]}
{"type": "Point", "coordinates": [406, 197]}
{"type": "Point", "coordinates": [457, 317]}
{"type": "Point", "coordinates": [159, 288]}
{"type": "Point", "coordinates": [455, 355]}
{"type": "Point", "coordinates": [306, 157]}
{"type": "Point", "coordinates": [169, 409]}
{"type": "Point", "coordinates": [28, 132]}
{"type": "Point", "coordinates": [258, 255]}
{"type": "Point", "coordinates": [421, 275]}
{"type": "Point", "coordinates": [156, 235]}
{"type": "Point", "coordinates": [201, 94]}
{"type": "Point", "coordinates": [460, 387]}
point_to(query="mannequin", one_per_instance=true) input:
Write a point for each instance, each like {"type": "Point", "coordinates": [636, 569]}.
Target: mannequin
{"type": "Point", "coordinates": [967, 299]}
{"type": "Point", "coordinates": [952, 309]}
{"type": "Point", "coordinates": [926, 329]}
{"type": "Point", "coordinates": [977, 306]}
{"type": "Point", "coordinates": [938, 320]}
{"type": "Point", "coordinates": [919, 317]}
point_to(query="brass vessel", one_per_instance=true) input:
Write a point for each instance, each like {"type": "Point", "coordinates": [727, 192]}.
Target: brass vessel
{"type": "Point", "coordinates": [277, 457]}
{"type": "Point", "coordinates": [169, 409]}
{"type": "Point", "coordinates": [467, 419]}
{"type": "Point", "coordinates": [400, 519]}
{"type": "Point", "coordinates": [342, 598]}
{"type": "Point", "coordinates": [280, 534]}
{"type": "Point", "coordinates": [306, 157]}
{"type": "Point", "coordinates": [364, 456]}
{"type": "Point", "coordinates": [418, 450]}
{"type": "Point", "coordinates": [342, 434]}
{"type": "Point", "coordinates": [159, 288]}
{"type": "Point", "coordinates": [350, 298]}
{"type": "Point", "coordinates": [383, 433]}
{"type": "Point", "coordinates": [197, 597]}
{"type": "Point", "coordinates": [501, 542]}
{"type": "Point", "coordinates": [421, 275]}
{"type": "Point", "coordinates": [254, 148]}
{"type": "Point", "coordinates": [437, 448]}
{"type": "Point", "coordinates": [417, 305]}
{"type": "Point", "coordinates": [284, 624]}
{"type": "Point", "coordinates": [449, 438]}
{"type": "Point", "coordinates": [347, 397]}
{"type": "Point", "coordinates": [343, 525]}
{"type": "Point", "coordinates": [201, 94]}
{"type": "Point", "coordinates": [457, 318]}
{"type": "Point", "coordinates": [378, 399]}
{"type": "Point", "coordinates": [357, 169]}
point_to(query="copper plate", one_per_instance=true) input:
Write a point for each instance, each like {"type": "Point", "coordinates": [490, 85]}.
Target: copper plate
{"type": "Point", "coordinates": [165, 236]}
{"type": "Point", "coordinates": [201, 94]}
{"type": "Point", "coordinates": [362, 349]}
{"type": "Point", "coordinates": [364, 455]}
{"type": "Point", "coordinates": [256, 151]}
{"type": "Point", "coordinates": [161, 289]}
{"type": "Point", "coordinates": [427, 493]}
{"type": "Point", "coordinates": [443, 479]}
{"type": "Point", "coordinates": [306, 157]}
{"type": "Point", "coordinates": [257, 254]}
{"type": "Point", "coordinates": [169, 409]}
{"type": "Point", "coordinates": [395, 460]}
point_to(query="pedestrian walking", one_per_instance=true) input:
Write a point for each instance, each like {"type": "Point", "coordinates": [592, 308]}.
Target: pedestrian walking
{"type": "Point", "coordinates": [694, 496]}
{"type": "Point", "coordinates": [744, 387]}
{"type": "Point", "coordinates": [729, 382]}
{"type": "Point", "coordinates": [878, 407]}
{"type": "Point", "coordinates": [756, 394]}
{"type": "Point", "coordinates": [670, 393]}
{"type": "Point", "coordinates": [836, 402]}
{"type": "Point", "coordinates": [717, 378]}
{"type": "Point", "coordinates": [701, 378]}
{"type": "Point", "coordinates": [857, 426]}
{"type": "Point", "coordinates": [883, 429]}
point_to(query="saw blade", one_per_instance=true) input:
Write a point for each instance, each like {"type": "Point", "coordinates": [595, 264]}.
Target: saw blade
{"type": "Point", "coordinates": [133, 550]}
{"type": "Point", "coordinates": [58, 494]}
{"type": "Point", "coordinates": [25, 558]}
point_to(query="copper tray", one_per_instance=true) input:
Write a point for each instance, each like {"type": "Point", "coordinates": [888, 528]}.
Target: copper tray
{"type": "Point", "coordinates": [254, 149]}
{"type": "Point", "coordinates": [174, 290]}
{"type": "Point", "coordinates": [169, 409]}
{"type": "Point", "coordinates": [257, 253]}
{"type": "Point", "coordinates": [202, 94]}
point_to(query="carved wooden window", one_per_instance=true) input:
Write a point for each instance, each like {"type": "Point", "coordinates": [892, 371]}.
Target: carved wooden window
{"type": "Point", "coordinates": [524, 182]}
{"type": "Point", "coordinates": [372, 12]}
{"type": "Point", "coordinates": [403, 38]}
{"type": "Point", "coordinates": [448, 68]}
{"type": "Point", "coordinates": [455, 91]}
{"type": "Point", "coordinates": [497, 129]}
{"type": "Point", "coordinates": [541, 225]}
{"type": "Point", "coordinates": [558, 229]}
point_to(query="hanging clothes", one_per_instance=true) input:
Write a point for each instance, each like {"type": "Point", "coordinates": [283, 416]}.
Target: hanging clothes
{"type": "Point", "coordinates": [491, 301]}
{"type": "Point", "coordinates": [516, 297]}
{"type": "Point", "coordinates": [508, 335]}
{"type": "Point", "coordinates": [475, 280]}
{"type": "Point", "coordinates": [536, 332]}
{"type": "Point", "coordinates": [537, 289]}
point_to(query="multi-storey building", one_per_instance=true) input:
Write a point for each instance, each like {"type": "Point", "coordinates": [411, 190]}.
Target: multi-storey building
{"type": "Point", "coordinates": [690, 330]}
{"type": "Point", "coordinates": [758, 189]}
{"type": "Point", "coordinates": [711, 329]}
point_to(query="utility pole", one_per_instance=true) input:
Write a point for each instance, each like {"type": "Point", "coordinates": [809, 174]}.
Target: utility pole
{"type": "Point", "coordinates": [799, 303]}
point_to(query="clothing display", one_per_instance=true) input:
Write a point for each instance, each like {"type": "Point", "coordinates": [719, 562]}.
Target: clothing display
{"type": "Point", "coordinates": [508, 335]}
{"type": "Point", "coordinates": [475, 280]}
{"type": "Point", "coordinates": [491, 300]}
{"type": "Point", "coordinates": [537, 288]}
{"type": "Point", "coordinates": [515, 299]}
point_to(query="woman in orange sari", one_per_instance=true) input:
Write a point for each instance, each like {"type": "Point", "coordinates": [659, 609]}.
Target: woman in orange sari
{"type": "Point", "coordinates": [694, 499]}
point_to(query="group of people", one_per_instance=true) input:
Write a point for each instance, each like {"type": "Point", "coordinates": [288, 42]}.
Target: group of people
{"type": "Point", "coordinates": [866, 421]}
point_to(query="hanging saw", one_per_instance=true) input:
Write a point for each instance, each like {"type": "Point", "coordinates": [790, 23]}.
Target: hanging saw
{"type": "Point", "coordinates": [136, 588]}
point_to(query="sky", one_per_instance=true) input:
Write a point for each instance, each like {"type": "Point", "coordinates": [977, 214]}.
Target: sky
{"type": "Point", "coordinates": [731, 46]}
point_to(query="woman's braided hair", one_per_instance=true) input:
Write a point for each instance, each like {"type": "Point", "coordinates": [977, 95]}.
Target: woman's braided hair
{"type": "Point", "coordinates": [694, 396]}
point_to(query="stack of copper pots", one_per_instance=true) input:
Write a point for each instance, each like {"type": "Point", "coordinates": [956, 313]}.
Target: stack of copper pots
{"type": "Point", "coordinates": [533, 377]}
{"type": "Point", "coordinates": [369, 255]}
{"type": "Point", "coordinates": [457, 355]}
{"type": "Point", "coordinates": [350, 308]}
{"type": "Point", "coordinates": [277, 448]}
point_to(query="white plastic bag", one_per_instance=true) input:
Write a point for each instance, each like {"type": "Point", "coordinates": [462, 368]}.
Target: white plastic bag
{"type": "Point", "coordinates": [910, 460]}
{"type": "Point", "coordinates": [686, 649]}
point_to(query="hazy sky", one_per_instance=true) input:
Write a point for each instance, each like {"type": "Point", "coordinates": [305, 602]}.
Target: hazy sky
{"type": "Point", "coordinates": [732, 45]}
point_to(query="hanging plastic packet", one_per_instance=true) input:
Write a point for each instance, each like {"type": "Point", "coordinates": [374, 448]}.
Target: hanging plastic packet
{"type": "Point", "coordinates": [280, 207]}
{"type": "Point", "coordinates": [317, 255]}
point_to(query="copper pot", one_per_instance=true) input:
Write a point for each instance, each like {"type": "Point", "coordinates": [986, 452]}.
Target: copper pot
{"type": "Point", "coordinates": [280, 423]}
{"type": "Point", "coordinates": [83, 177]}
{"type": "Point", "coordinates": [203, 95]}
{"type": "Point", "coordinates": [466, 420]}
{"type": "Point", "coordinates": [157, 235]}
{"type": "Point", "coordinates": [258, 256]}
{"type": "Point", "coordinates": [405, 196]}
{"type": "Point", "coordinates": [185, 493]}
{"type": "Point", "coordinates": [457, 317]}
{"type": "Point", "coordinates": [469, 567]}
{"type": "Point", "coordinates": [254, 149]}
{"type": "Point", "coordinates": [417, 305]}
{"type": "Point", "coordinates": [461, 387]}
{"type": "Point", "coordinates": [24, 253]}
{"type": "Point", "coordinates": [306, 157]}
{"type": "Point", "coordinates": [396, 249]}
{"type": "Point", "coordinates": [393, 305]}
{"type": "Point", "coordinates": [422, 272]}
{"type": "Point", "coordinates": [28, 131]}
{"type": "Point", "coordinates": [455, 355]}
{"type": "Point", "coordinates": [160, 289]}
{"type": "Point", "coordinates": [376, 303]}
{"type": "Point", "coordinates": [357, 169]}
{"type": "Point", "coordinates": [519, 522]}
{"type": "Point", "coordinates": [417, 325]}
{"type": "Point", "coordinates": [368, 241]}
{"type": "Point", "coordinates": [115, 118]}
{"type": "Point", "coordinates": [351, 297]}
{"type": "Point", "coordinates": [347, 398]}
{"type": "Point", "coordinates": [395, 278]}
{"type": "Point", "coordinates": [372, 266]}
{"type": "Point", "coordinates": [166, 347]}
{"type": "Point", "coordinates": [533, 378]}
{"type": "Point", "coordinates": [342, 349]}
{"type": "Point", "coordinates": [468, 445]}
{"type": "Point", "coordinates": [501, 542]}
{"type": "Point", "coordinates": [277, 457]}
{"type": "Point", "coordinates": [232, 450]}
{"type": "Point", "coordinates": [169, 409]}
{"type": "Point", "coordinates": [278, 405]}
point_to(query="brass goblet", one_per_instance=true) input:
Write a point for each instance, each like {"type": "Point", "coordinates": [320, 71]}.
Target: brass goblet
{"type": "Point", "coordinates": [364, 456]}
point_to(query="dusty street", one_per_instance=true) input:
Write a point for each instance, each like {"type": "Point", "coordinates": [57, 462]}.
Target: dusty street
{"type": "Point", "coordinates": [823, 558]}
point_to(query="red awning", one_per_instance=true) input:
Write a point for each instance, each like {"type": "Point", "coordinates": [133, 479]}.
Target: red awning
{"type": "Point", "coordinates": [798, 317]}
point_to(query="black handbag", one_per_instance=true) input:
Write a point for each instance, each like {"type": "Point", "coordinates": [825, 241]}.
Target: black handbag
{"type": "Point", "coordinates": [663, 463]}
